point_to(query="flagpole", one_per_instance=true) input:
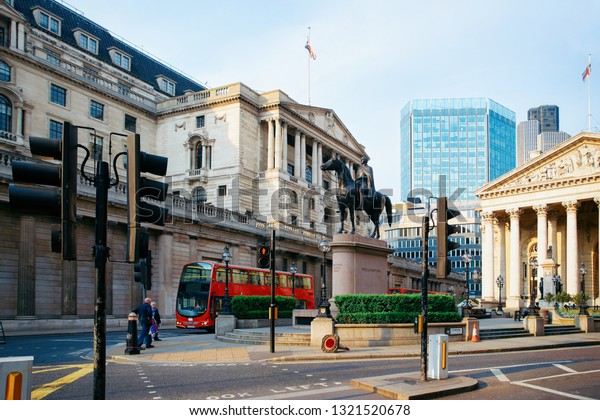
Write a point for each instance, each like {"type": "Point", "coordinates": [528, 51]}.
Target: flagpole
{"type": "Point", "coordinates": [308, 69]}
{"type": "Point", "coordinates": [590, 94]}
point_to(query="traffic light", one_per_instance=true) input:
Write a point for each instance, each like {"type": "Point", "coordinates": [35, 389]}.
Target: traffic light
{"type": "Point", "coordinates": [443, 231]}
{"type": "Point", "coordinates": [53, 188]}
{"type": "Point", "coordinates": [137, 187]}
{"type": "Point", "coordinates": [264, 257]}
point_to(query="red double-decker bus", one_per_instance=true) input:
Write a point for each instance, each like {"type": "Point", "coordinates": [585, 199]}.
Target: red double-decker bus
{"type": "Point", "coordinates": [202, 289]}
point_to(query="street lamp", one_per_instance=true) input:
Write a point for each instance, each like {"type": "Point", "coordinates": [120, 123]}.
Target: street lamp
{"type": "Point", "coordinates": [226, 310]}
{"type": "Point", "coordinates": [324, 305]}
{"type": "Point", "coordinates": [534, 265]}
{"type": "Point", "coordinates": [467, 258]}
{"type": "Point", "coordinates": [293, 270]}
{"type": "Point", "coordinates": [500, 283]}
{"type": "Point", "coordinates": [583, 306]}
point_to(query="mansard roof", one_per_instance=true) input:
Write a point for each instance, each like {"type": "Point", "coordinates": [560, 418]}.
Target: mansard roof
{"type": "Point", "coordinates": [143, 66]}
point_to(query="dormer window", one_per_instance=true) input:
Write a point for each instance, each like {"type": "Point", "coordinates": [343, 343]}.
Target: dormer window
{"type": "Point", "coordinates": [86, 41]}
{"type": "Point", "coordinates": [47, 21]}
{"type": "Point", "coordinates": [120, 59]}
{"type": "Point", "coordinates": [166, 85]}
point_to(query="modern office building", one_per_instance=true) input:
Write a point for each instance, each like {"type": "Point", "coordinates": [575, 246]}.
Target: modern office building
{"type": "Point", "coordinates": [547, 116]}
{"type": "Point", "coordinates": [539, 133]}
{"type": "Point", "coordinates": [451, 147]}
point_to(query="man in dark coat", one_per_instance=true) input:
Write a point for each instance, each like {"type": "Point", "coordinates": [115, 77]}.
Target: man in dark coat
{"type": "Point", "coordinates": [144, 313]}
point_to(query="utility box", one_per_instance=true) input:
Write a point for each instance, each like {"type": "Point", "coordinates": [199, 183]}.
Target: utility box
{"type": "Point", "coordinates": [437, 363]}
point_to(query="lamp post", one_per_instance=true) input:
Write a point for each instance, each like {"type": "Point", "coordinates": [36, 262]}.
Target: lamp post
{"type": "Point", "coordinates": [293, 270]}
{"type": "Point", "coordinates": [467, 258]}
{"type": "Point", "coordinates": [226, 310]}
{"type": "Point", "coordinates": [583, 306]}
{"type": "Point", "coordinates": [532, 309]}
{"type": "Point", "coordinates": [324, 305]}
{"type": "Point", "coordinates": [500, 283]}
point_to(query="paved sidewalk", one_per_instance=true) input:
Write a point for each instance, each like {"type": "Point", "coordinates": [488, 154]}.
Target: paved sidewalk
{"type": "Point", "coordinates": [194, 347]}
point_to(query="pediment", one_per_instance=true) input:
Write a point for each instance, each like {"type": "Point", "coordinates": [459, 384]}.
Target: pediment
{"type": "Point", "coordinates": [575, 159]}
{"type": "Point", "coordinates": [327, 120]}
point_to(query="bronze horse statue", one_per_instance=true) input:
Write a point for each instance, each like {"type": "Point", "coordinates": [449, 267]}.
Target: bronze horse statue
{"type": "Point", "coordinates": [347, 197]}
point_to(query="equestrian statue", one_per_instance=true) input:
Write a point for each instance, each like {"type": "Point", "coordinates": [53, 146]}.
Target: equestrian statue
{"type": "Point", "coordinates": [359, 194]}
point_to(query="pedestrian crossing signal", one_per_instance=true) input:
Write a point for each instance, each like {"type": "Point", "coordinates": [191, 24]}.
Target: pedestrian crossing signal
{"type": "Point", "coordinates": [264, 257]}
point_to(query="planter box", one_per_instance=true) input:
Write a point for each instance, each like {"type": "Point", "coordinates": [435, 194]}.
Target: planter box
{"type": "Point", "coordinates": [371, 335]}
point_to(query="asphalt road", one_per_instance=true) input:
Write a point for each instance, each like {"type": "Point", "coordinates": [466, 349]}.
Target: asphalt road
{"type": "Point", "coordinates": [63, 370]}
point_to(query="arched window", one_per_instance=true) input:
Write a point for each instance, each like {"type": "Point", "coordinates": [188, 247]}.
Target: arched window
{"type": "Point", "coordinates": [5, 114]}
{"type": "Point", "coordinates": [199, 196]}
{"type": "Point", "coordinates": [4, 72]}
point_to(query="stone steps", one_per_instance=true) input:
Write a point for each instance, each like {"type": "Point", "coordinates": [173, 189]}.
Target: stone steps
{"type": "Point", "coordinates": [251, 337]}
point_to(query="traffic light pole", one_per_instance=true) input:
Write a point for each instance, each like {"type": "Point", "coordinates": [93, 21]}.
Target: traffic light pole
{"type": "Point", "coordinates": [101, 251]}
{"type": "Point", "coordinates": [424, 279]}
{"type": "Point", "coordinates": [273, 306]}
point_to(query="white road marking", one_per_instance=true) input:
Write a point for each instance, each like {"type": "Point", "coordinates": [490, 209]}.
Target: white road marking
{"type": "Point", "coordinates": [501, 376]}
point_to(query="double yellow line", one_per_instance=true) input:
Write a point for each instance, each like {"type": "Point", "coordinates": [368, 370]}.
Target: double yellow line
{"type": "Point", "coordinates": [47, 389]}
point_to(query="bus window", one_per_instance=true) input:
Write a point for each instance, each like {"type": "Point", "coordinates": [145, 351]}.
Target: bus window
{"type": "Point", "coordinates": [240, 276]}
{"type": "Point", "coordinates": [256, 278]}
{"type": "Point", "coordinates": [220, 275]}
{"type": "Point", "coordinates": [282, 281]}
{"type": "Point", "coordinates": [267, 279]}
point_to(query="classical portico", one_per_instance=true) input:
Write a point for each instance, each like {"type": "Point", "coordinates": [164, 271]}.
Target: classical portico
{"type": "Point", "coordinates": [541, 221]}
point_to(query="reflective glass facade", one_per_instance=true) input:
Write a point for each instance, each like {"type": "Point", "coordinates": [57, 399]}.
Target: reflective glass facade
{"type": "Point", "coordinates": [452, 147]}
{"type": "Point", "coordinates": [459, 143]}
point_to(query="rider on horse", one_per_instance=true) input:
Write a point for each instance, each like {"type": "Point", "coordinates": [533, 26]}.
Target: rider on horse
{"type": "Point", "coordinates": [365, 185]}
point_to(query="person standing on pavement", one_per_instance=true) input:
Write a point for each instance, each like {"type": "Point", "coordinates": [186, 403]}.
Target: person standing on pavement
{"type": "Point", "coordinates": [155, 322]}
{"type": "Point", "coordinates": [144, 313]}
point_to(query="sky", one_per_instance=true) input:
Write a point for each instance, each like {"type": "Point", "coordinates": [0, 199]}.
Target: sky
{"type": "Point", "coordinates": [373, 57]}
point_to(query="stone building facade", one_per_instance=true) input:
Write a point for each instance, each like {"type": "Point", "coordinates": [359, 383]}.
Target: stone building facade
{"type": "Point", "coordinates": [540, 225]}
{"type": "Point", "coordinates": [241, 164]}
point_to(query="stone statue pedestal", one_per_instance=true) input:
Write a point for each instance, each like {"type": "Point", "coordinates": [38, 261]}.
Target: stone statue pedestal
{"type": "Point", "coordinates": [359, 265]}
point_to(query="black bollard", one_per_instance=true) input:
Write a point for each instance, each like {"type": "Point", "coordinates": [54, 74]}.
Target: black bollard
{"type": "Point", "coordinates": [132, 335]}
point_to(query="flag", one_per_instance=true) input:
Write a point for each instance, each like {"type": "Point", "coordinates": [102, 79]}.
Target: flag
{"type": "Point", "coordinates": [587, 72]}
{"type": "Point", "coordinates": [310, 50]}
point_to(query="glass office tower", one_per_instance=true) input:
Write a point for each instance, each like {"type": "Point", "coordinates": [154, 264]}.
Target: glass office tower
{"type": "Point", "coordinates": [452, 147]}
{"type": "Point", "coordinates": [465, 143]}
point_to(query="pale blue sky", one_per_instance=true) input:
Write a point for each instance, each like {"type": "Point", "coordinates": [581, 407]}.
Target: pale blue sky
{"type": "Point", "coordinates": [373, 57]}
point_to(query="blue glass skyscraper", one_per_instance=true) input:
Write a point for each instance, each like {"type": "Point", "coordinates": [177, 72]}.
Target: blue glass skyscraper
{"type": "Point", "coordinates": [451, 147]}
{"type": "Point", "coordinates": [463, 142]}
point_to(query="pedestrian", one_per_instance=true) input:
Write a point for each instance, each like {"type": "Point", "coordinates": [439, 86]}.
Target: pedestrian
{"type": "Point", "coordinates": [155, 322]}
{"type": "Point", "coordinates": [144, 313]}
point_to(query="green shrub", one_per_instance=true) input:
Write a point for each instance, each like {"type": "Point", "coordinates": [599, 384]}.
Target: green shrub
{"type": "Point", "coordinates": [393, 309]}
{"type": "Point", "coordinates": [257, 307]}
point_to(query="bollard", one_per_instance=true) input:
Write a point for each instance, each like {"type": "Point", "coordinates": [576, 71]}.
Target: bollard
{"type": "Point", "coordinates": [132, 335]}
{"type": "Point", "coordinates": [14, 386]}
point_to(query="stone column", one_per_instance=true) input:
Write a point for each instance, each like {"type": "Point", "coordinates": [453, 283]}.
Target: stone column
{"type": "Point", "coordinates": [552, 229]}
{"type": "Point", "coordinates": [278, 144]}
{"type": "Point", "coordinates": [164, 276]}
{"type": "Point", "coordinates": [270, 145]}
{"type": "Point", "coordinates": [284, 147]}
{"type": "Point", "coordinates": [487, 268]}
{"type": "Point", "coordinates": [302, 156]}
{"type": "Point", "coordinates": [572, 271]}
{"type": "Point", "coordinates": [501, 221]}
{"type": "Point", "coordinates": [319, 163]}
{"type": "Point", "coordinates": [26, 268]}
{"type": "Point", "coordinates": [315, 166]}
{"type": "Point", "coordinates": [513, 281]}
{"type": "Point", "coordinates": [297, 154]}
{"type": "Point", "coordinates": [542, 231]}
{"type": "Point", "coordinates": [204, 156]}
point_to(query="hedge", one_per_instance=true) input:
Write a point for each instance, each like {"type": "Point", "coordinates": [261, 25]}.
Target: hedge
{"type": "Point", "coordinates": [393, 309]}
{"type": "Point", "coordinates": [257, 307]}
